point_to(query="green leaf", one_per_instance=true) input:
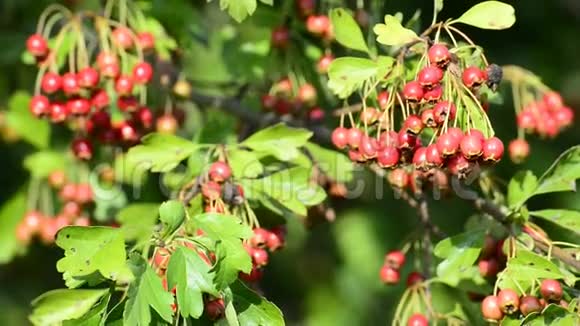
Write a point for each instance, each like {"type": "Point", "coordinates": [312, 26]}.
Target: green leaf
{"type": "Point", "coordinates": [11, 213]}
{"type": "Point", "coordinates": [244, 164]}
{"type": "Point", "coordinates": [489, 15]}
{"type": "Point", "coordinates": [172, 214]}
{"type": "Point", "coordinates": [240, 9]}
{"type": "Point", "coordinates": [138, 220]}
{"type": "Point", "coordinates": [254, 310]}
{"type": "Point", "coordinates": [525, 268]}
{"type": "Point", "coordinates": [290, 189]}
{"type": "Point", "coordinates": [56, 306]}
{"type": "Point", "coordinates": [348, 74]}
{"type": "Point", "coordinates": [92, 249]}
{"type": "Point", "coordinates": [459, 253]}
{"type": "Point", "coordinates": [346, 30]}
{"type": "Point", "coordinates": [160, 152]}
{"type": "Point", "coordinates": [521, 188]}
{"type": "Point", "coordinates": [279, 140]}
{"type": "Point", "coordinates": [562, 175]}
{"type": "Point", "coordinates": [438, 6]}
{"type": "Point", "coordinates": [334, 164]}
{"type": "Point", "coordinates": [41, 164]}
{"type": "Point", "coordinates": [34, 131]}
{"type": "Point", "coordinates": [553, 314]}
{"type": "Point", "coordinates": [94, 317]}
{"type": "Point", "coordinates": [191, 277]}
{"type": "Point", "coordinates": [392, 33]}
{"type": "Point", "coordinates": [565, 218]}
{"type": "Point", "coordinates": [227, 232]}
{"type": "Point", "coordinates": [146, 292]}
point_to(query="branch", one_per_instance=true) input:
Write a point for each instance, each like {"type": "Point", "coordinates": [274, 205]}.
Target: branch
{"type": "Point", "coordinates": [498, 214]}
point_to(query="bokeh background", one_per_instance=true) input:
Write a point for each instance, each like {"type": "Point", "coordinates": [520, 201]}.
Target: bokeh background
{"type": "Point", "coordinates": [328, 274]}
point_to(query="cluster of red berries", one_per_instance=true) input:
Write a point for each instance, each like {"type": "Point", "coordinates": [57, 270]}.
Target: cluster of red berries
{"type": "Point", "coordinates": [318, 25]}
{"type": "Point", "coordinates": [82, 94]}
{"type": "Point", "coordinates": [508, 302]}
{"type": "Point", "coordinates": [73, 199]}
{"type": "Point", "coordinates": [218, 191]}
{"type": "Point", "coordinates": [284, 99]}
{"type": "Point", "coordinates": [390, 271]}
{"type": "Point", "coordinates": [262, 242]}
{"type": "Point", "coordinates": [454, 149]}
{"type": "Point", "coordinates": [546, 117]}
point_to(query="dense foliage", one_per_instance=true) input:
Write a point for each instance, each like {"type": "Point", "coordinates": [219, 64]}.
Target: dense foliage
{"type": "Point", "coordinates": [171, 162]}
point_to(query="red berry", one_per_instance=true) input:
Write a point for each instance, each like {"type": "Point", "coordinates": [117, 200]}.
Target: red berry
{"type": "Point", "coordinates": [414, 278]}
{"type": "Point", "coordinates": [413, 91]}
{"type": "Point", "coordinates": [428, 118]}
{"type": "Point", "coordinates": [473, 77]}
{"type": "Point", "coordinates": [306, 7]}
{"type": "Point", "coordinates": [529, 304]}
{"type": "Point", "coordinates": [259, 238]}
{"type": "Point", "coordinates": [127, 103]}
{"type": "Point", "coordinates": [430, 76]}
{"type": "Point", "coordinates": [166, 124]}
{"type": "Point", "coordinates": [124, 85]}
{"type": "Point", "coordinates": [111, 70]}
{"type": "Point", "coordinates": [434, 94]}
{"type": "Point", "coordinates": [434, 157]}
{"type": "Point", "coordinates": [551, 290]}
{"type": "Point", "coordinates": [254, 276]}
{"type": "Point", "coordinates": [447, 144]}
{"type": "Point", "coordinates": [144, 117]}
{"type": "Point", "coordinates": [33, 221]}
{"type": "Point", "coordinates": [442, 110]}
{"type": "Point", "coordinates": [388, 157]}
{"type": "Point", "coordinates": [215, 309]}
{"type": "Point", "coordinates": [78, 106]}
{"type": "Point", "coordinates": [307, 94]}
{"type": "Point", "coordinates": [37, 45]}
{"type": "Point", "coordinates": [526, 120]}
{"type": "Point", "coordinates": [339, 137]}
{"type": "Point", "coordinates": [280, 37]}
{"type": "Point", "coordinates": [68, 192]}
{"type": "Point", "coordinates": [420, 159]}
{"type": "Point", "coordinates": [146, 40]}
{"type": "Point", "coordinates": [383, 99]}
{"type": "Point", "coordinates": [368, 147]}
{"type": "Point", "coordinates": [71, 209]}
{"type": "Point", "coordinates": [51, 82]}
{"type": "Point", "coordinates": [84, 193]}
{"type": "Point", "coordinates": [70, 84]}
{"type": "Point", "coordinates": [389, 275]}
{"type": "Point", "coordinates": [471, 146]}
{"type": "Point", "coordinates": [492, 149]}
{"type": "Point", "coordinates": [88, 78]}
{"type": "Point", "coordinates": [82, 148]}
{"type": "Point", "coordinates": [324, 63]}
{"type": "Point", "coordinates": [456, 132]}
{"type": "Point", "coordinates": [490, 308]}
{"type": "Point", "coordinates": [219, 171]}
{"type": "Point", "coordinates": [564, 117]}
{"type": "Point", "coordinates": [369, 116]}
{"type": "Point", "coordinates": [406, 140]}
{"type": "Point", "coordinates": [142, 73]}
{"type": "Point", "coordinates": [259, 257]}
{"type": "Point", "coordinates": [58, 112]}
{"type": "Point", "coordinates": [413, 124]}
{"type": "Point", "coordinates": [122, 37]}
{"type": "Point", "coordinates": [318, 24]}
{"type": "Point", "coordinates": [519, 150]}
{"type": "Point", "coordinates": [439, 55]}
{"type": "Point", "coordinates": [100, 99]}
{"type": "Point", "coordinates": [126, 132]}
{"type": "Point", "coordinates": [395, 259]}
{"type": "Point", "coordinates": [553, 100]}
{"type": "Point", "coordinates": [101, 120]}
{"type": "Point", "coordinates": [268, 101]}
{"type": "Point", "coordinates": [39, 105]}
{"type": "Point", "coordinates": [398, 178]}
{"type": "Point", "coordinates": [459, 165]}
{"type": "Point", "coordinates": [105, 58]}
{"type": "Point", "coordinates": [274, 241]}
{"type": "Point", "coordinates": [418, 320]}
{"type": "Point", "coordinates": [389, 139]}
{"type": "Point", "coordinates": [509, 301]}
{"type": "Point", "coordinates": [354, 136]}
{"type": "Point", "coordinates": [488, 267]}
{"type": "Point", "coordinates": [316, 114]}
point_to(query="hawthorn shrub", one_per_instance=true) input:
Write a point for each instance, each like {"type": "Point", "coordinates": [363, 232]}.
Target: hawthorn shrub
{"type": "Point", "coordinates": [162, 222]}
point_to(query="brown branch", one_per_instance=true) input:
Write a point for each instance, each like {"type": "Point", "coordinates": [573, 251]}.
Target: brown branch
{"type": "Point", "coordinates": [190, 190]}
{"type": "Point", "coordinates": [501, 216]}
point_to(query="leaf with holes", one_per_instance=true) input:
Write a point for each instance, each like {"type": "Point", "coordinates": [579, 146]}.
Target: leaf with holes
{"type": "Point", "coordinates": [489, 15]}
{"type": "Point", "coordinates": [93, 249]}
{"type": "Point", "coordinates": [459, 253]}
{"type": "Point", "coordinates": [346, 30]}
{"type": "Point", "coordinates": [392, 33]}
{"type": "Point", "coordinates": [525, 268]}
{"type": "Point", "coordinates": [56, 306]}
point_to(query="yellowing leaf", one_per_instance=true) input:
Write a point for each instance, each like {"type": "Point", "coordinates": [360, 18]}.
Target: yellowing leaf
{"type": "Point", "coordinates": [392, 33]}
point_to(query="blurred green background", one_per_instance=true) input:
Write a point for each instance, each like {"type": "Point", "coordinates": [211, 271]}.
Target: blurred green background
{"type": "Point", "coordinates": [328, 274]}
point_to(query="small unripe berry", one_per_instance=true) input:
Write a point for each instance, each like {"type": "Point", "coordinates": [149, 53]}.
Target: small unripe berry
{"type": "Point", "coordinates": [519, 150]}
